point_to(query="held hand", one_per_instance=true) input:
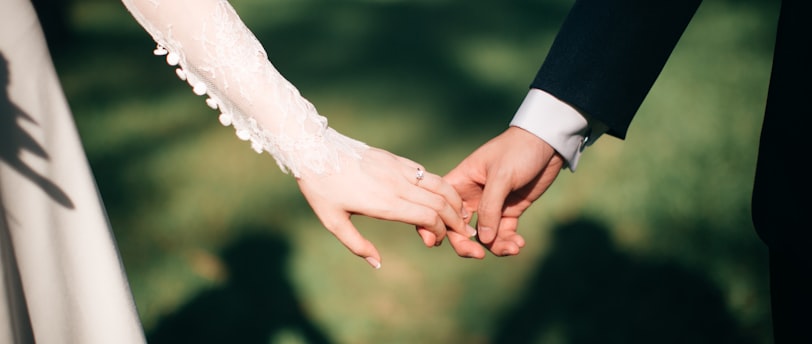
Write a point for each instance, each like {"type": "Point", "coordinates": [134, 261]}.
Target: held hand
{"type": "Point", "coordinates": [499, 181]}
{"type": "Point", "coordinates": [384, 186]}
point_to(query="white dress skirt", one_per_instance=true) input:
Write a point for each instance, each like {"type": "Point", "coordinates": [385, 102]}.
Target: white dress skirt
{"type": "Point", "coordinates": [61, 277]}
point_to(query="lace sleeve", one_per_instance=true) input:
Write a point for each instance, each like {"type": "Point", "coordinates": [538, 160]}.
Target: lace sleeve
{"type": "Point", "coordinates": [221, 59]}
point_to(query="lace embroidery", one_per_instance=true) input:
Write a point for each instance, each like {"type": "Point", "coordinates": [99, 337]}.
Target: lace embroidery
{"type": "Point", "coordinates": [218, 56]}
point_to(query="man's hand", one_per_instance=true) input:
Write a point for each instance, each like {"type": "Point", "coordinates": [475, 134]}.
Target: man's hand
{"type": "Point", "coordinates": [499, 181]}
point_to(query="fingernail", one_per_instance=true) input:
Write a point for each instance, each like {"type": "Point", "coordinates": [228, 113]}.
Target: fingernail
{"type": "Point", "coordinates": [465, 213]}
{"type": "Point", "coordinates": [471, 230]}
{"type": "Point", "coordinates": [374, 262]}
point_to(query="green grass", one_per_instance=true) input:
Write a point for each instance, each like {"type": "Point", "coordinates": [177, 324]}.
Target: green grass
{"type": "Point", "coordinates": [650, 241]}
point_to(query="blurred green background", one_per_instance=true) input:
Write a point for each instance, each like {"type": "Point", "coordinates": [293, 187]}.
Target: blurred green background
{"type": "Point", "coordinates": [649, 242]}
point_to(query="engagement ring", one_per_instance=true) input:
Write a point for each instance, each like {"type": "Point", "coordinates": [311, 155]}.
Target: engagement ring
{"type": "Point", "coordinates": [418, 175]}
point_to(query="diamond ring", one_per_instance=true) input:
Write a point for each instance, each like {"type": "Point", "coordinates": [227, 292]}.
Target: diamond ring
{"type": "Point", "coordinates": [419, 175]}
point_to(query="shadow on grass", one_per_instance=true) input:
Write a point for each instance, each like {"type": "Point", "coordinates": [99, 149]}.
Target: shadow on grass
{"type": "Point", "coordinates": [256, 303]}
{"type": "Point", "coordinates": [587, 291]}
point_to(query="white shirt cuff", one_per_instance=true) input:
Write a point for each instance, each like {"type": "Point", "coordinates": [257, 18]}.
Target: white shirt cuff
{"type": "Point", "coordinates": [557, 123]}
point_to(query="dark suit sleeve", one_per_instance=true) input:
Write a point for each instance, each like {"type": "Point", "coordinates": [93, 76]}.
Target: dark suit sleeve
{"type": "Point", "coordinates": [608, 53]}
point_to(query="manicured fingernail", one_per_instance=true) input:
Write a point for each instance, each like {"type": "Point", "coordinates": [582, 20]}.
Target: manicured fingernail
{"type": "Point", "coordinates": [465, 213]}
{"type": "Point", "coordinates": [374, 262]}
{"type": "Point", "coordinates": [471, 230]}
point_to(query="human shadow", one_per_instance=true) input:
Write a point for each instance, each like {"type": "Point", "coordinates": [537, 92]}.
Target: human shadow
{"type": "Point", "coordinates": [14, 140]}
{"type": "Point", "coordinates": [587, 291]}
{"type": "Point", "coordinates": [257, 302]}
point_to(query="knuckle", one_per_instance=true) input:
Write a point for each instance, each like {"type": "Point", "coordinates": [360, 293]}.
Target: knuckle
{"type": "Point", "coordinates": [437, 203]}
{"type": "Point", "coordinates": [430, 220]}
{"type": "Point", "coordinates": [332, 226]}
{"type": "Point", "coordinates": [356, 251]}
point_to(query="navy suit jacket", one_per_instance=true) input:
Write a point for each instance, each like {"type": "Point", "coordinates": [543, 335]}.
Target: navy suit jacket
{"type": "Point", "coordinates": [608, 53]}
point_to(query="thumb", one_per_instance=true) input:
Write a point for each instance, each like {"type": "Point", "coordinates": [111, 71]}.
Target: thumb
{"type": "Point", "coordinates": [348, 235]}
{"type": "Point", "coordinates": [489, 214]}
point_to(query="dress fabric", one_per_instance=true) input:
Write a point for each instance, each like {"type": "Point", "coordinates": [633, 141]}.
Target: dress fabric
{"type": "Point", "coordinates": [212, 50]}
{"type": "Point", "coordinates": [61, 277]}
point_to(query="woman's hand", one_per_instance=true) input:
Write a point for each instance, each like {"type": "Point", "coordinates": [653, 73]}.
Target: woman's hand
{"type": "Point", "coordinates": [384, 186]}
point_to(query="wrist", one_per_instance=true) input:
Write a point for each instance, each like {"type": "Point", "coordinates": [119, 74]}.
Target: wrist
{"type": "Point", "coordinates": [554, 121]}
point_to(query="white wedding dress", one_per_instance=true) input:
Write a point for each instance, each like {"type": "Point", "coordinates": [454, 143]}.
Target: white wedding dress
{"type": "Point", "coordinates": [61, 277]}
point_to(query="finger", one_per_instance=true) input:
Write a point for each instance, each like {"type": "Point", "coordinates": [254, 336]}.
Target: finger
{"type": "Point", "coordinates": [429, 239]}
{"type": "Point", "coordinates": [411, 211]}
{"type": "Point", "coordinates": [468, 190]}
{"type": "Point", "coordinates": [465, 247]}
{"type": "Point", "coordinates": [444, 199]}
{"type": "Point", "coordinates": [448, 217]}
{"type": "Point", "coordinates": [436, 184]}
{"type": "Point", "coordinates": [348, 235]}
{"type": "Point", "coordinates": [507, 241]}
{"type": "Point", "coordinates": [507, 230]}
{"type": "Point", "coordinates": [504, 247]}
{"type": "Point", "coordinates": [490, 208]}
